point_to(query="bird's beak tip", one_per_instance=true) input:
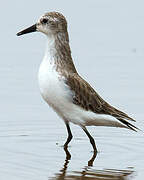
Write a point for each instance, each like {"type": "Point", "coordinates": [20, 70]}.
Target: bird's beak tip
{"type": "Point", "coordinates": [19, 33]}
{"type": "Point", "coordinates": [28, 30]}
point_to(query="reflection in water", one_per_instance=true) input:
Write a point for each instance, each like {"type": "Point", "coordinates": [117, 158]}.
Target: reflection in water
{"type": "Point", "coordinates": [68, 157]}
{"type": "Point", "coordinates": [90, 174]}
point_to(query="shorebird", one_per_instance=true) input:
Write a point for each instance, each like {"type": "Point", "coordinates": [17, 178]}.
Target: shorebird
{"type": "Point", "coordinates": [71, 97]}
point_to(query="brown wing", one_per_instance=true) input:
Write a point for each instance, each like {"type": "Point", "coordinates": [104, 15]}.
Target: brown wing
{"type": "Point", "coordinates": [86, 97]}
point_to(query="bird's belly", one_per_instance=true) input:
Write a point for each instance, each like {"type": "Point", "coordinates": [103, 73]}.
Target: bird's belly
{"type": "Point", "coordinates": [55, 91]}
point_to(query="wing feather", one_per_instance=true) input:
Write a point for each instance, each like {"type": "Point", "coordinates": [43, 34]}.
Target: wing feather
{"type": "Point", "coordinates": [87, 98]}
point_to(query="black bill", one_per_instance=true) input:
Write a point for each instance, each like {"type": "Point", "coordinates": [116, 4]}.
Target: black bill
{"type": "Point", "coordinates": [28, 30]}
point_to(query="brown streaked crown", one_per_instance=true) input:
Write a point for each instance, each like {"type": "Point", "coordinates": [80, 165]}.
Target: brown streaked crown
{"type": "Point", "coordinates": [56, 20]}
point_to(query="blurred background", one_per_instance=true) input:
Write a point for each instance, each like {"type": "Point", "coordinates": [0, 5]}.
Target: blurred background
{"type": "Point", "coordinates": [107, 42]}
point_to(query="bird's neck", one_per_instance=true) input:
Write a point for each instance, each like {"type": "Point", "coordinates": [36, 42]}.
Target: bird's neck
{"type": "Point", "coordinates": [58, 53]}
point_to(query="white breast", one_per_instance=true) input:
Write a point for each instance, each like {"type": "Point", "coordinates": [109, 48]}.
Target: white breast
{"type": "Point", "coordinates": [53, 88]}
{"type": "Point", "coordinates": [57, 94]}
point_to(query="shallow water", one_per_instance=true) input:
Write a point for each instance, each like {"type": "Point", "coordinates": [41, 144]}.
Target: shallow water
{"type": "Point", "coordinates": [31, 135]}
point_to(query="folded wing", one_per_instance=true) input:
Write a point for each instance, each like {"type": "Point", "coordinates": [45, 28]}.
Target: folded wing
{"type": "Point", "coordinates": [87, 98]}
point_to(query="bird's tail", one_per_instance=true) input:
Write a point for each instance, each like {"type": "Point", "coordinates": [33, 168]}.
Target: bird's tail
{"type": "Point", "coordinates": [129, 125]}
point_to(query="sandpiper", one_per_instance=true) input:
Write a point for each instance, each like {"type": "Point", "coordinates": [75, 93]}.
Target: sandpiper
{"type": "Point", "coordinates": [64, 89]}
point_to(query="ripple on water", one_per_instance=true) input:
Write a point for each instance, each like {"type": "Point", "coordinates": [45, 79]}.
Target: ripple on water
{"type": "Point", "coordinates": [89, 173]}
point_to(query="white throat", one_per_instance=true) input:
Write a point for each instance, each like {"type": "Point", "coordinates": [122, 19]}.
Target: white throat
{"type": "Point", "coordinates": [50, 49]}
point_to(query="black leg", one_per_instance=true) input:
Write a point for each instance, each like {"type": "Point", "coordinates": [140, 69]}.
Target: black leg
{"type": "Point", "coordinates": [69, 135]}
{"type": "Point", "coordinates": [68, 155]}
{"type": "Point", "coordinates": [90, 162]}
{"type": "Point", "coordinates": [90, 138]}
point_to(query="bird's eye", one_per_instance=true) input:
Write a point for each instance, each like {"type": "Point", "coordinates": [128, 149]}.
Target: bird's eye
{"type": "Point", "coordinates": [44, 21]}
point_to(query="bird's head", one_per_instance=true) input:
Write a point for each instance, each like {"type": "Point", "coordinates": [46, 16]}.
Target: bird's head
{"type": "Point", "coordinates": [50, 24]}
